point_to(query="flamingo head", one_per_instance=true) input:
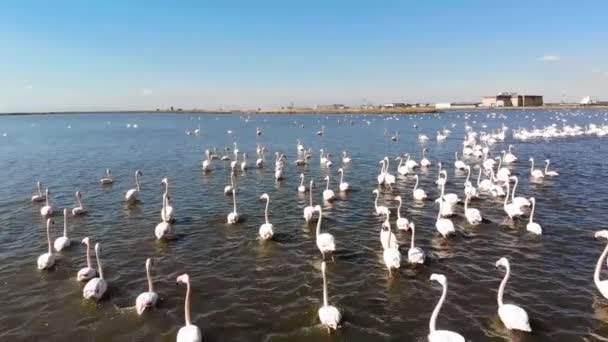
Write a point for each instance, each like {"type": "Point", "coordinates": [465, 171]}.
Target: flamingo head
{"type": "Point", "coordinates": [531, 159]}
{"type": "Point", "coordinates": [502, 262]}
{"type": "Point", "coordinates": [97, 248]}
{"type": "Point", "coordinates": [65, 212]}
{"type": "Point", "coordinates": [318, 208]}
{"type": "Point", "coordinates": [86, 240]}
{"type": "Point", "coordinates": [547, 161]}
{"type": "Point", "coordinates": [301, 176]}
{"type": "Point", "coordinates": [138, 173]}
{"type": "Point", "coordinates": [340, 170]}
{"type": "Point", "coordinates": [148, 262]}
{"type": "Point", "coordinates": [264, 197]}
{"type": "Point", "coordinates": [375, 192]}
{"type": "Point", "coordinates": [164, 181]}
{"type": "Point", "coordinates": [532, 200]}
{"type": "Point", "coordinates": [440, 278]}
{"type": "Point", "coordinates": [398, 198]}
{"type": "Point", "coordinates": [323, 266]}
{"type": "Point", "coordinates": [184, 279]}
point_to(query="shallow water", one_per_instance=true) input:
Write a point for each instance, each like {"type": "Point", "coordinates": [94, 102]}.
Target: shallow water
{"type": "Point", "coordinates": [246, 290]}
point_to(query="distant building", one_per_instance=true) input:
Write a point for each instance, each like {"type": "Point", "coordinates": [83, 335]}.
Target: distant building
{"type": "Point", "coordinates": [334, 106]}
{"type": "Point", "coordinates": [395, 105]}
{"type": "Point", "coordinates": [512, 100]}
{"type": "Point", "coordinates": [457, 105]}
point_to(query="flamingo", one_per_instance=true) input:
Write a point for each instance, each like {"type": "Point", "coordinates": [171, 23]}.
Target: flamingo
{"type": "Point", "coordinates": [387, 237]}
{"type": "Point", "coordinates": [345, 158]}
{"type": "Point", "coordinates": [107, 179]}
{"type": "Point", "coordinates": [47, 260]}
{"type": "Point", "coordinates": [96, 287]}
{"type": "Point", "coordinates": [163, 230]}
{"type": "Point", "coordinates": [189, 332]}
{"type": "Point", "coordinates": [509, 157]}
{"type": "Point", "coordinates": [512, 209]}
{"type": "Point", "coordinates": [244, 163]}
{"type": "Point", "coordinates": [532, 226]}
{"type": "Point", "coordinates": [47, 209]}
{"type": "Point", "coordinates": [132, 194]}
{"type": "Point", "coordinates": [325, 241]}
{"type": "Point", "coordinates": [419, 194]}
{"type": "Point", "coordinates": [549, 173]}
{"type": "Point", "coordinates": [88, 272]}
{"type": "Point", "coordinates": [473, 215]}
{"type": "Point", "coordinates": [310, 209]}
{"type": "Point", "coordinates": [441, 335]}
{"type": "Point", "coordinates": [301, 187]}
{"type": "Point", "coordinates": [424, 162]}
{"type": "Point", "coordinates": [391, 255]}
{"type": "Point", "coordinates": [415, 255]}
{"type": "Point", "coordinates": [469, 189]}
{"type": "Point", "coordinates": [266, 228]}
{"type": "Point", "coordinates": [233, 217]}
{"type": "Point", "coordinates": [147, 299]}
{"type": "Point", "coordinates": [519, 201]}
{"type": "Point", "coordinates": [535, 173]}
{"type": "Point", "coordinates": [63, 242]}
{"type": "Point", "coordinates": [166, 212]}
{"type": "Point", "coordinates": [344, 186]}
{"type": "Point", "coordinates": [402, 222]}
{"type": "Point", "coordinates": [39, 196]}
{"type": "Point", "coordinates": [228, 188]}
{"type": "Point", "coordinates": [328, 194]}
{"type": "Point", "coordinates": [380, 209]}
{"type": "Point", "coordinates": [329, 315]}
{"type": "Point", "coordinates": [79, 210]}
{"type": "Point", "coordinates": [440, 180]}
{"type": "Point", "coordinates": [444, 226]}
{"type": "Point", "coordinates": [459, 164]}
{"type": "Point", "coordinates": [512, 316]}
{"type": "Point", "coordinates": [207, 163]}
{"type": "Point", "coordinates": [602, 285]}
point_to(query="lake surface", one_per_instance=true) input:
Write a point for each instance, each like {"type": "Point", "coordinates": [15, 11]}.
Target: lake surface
{"type": "Point", "coordinates": [247, 290]}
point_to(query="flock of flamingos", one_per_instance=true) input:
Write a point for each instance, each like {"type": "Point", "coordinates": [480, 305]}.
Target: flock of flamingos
{"type": "Point", "coordinates": [493, 179]}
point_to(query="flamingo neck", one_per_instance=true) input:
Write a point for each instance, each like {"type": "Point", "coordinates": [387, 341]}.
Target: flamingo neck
{"type": "Point", "coordinates": [187, 305]}
{"type": "Point", "coordinates": [400, 162]}
{"type": "Point", "coordinates": [466, 204]}
{"type": "Point", "coordinates": [507, 196]}
{"type": "Point", "coordinates": [310, 193]}
{"type": "Point", "coordinates": [413, 235]}
{"type": "Point", "coordinates": [479, 177]}
{"type": "Point", "coordinates": [39, 189]}
{"type": "Point", "coordinates": [46, 198]}
{"type": "Point", "coordinates": [319, 224]}
{"type": "Point", "coordinates": [341, 177]}
{"type": "Point", "coordinates": [327, 184]}
{"type": "Point", "coordinates": [98, 264]}
{"type": "Point", "coordinates": [416, 185]}
{"type": "Point", "coordinates": [532, 166]}
{"type": "Point", "coordinates": [150, 285]}
{"type": "Point", "coordinates": [532, 211]}
{"type": "Point", "coordinates": [88, 256]}
{"type": "Point", "coordinates": [324, 289]}
{"type": "Point", "coordinates": [137, 181]}
{"type": "Point", "coordinates": [376, 200]}
{"type": "Point", "coordinates": [234, 199]}
{"type": "Point", "coordinates": [514, 187]}
{"type": "Point", "coordinates": [468, 175]}
{"type": "Point", "coordinates": [266, 210]}
{"type": "Point", "coordinates": [65, 224]}
{"type": "Point", "coordinates": [546, 167]}
{"type": "Point", "coordinates": [399, 211]}
{"type": "Point", "coordinates": [48, 237]}
{"type": "Point", "coordinates": [79, 201]}
{"type": "Point", "coordinates": [503, 283]}
{"type": "Point", "coordinates": [598, 267]}
{"type": "Point", "coordinates": [302, 181]}
{"type": "Point", "coordinates": [437, 308]}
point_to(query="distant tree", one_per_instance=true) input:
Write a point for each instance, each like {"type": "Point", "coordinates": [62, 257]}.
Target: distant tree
{"type": "Point", "coordinates": [171, 108]}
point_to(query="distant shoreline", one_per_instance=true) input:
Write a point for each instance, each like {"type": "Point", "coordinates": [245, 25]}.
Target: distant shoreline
{"type": "Point", "coordinates": [370, 111]}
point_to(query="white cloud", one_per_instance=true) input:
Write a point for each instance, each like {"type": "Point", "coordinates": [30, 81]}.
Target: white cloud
{"type": "Point", "coordinates": [146, 92]}
{"type": "Point", "coordinates": [28, 88]}
{"type": "Point", "coordinates": [550, 58]}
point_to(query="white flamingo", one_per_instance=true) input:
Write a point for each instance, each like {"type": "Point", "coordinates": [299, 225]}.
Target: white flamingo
{"type": "Point", "coordinates": [382, 176]}
{"type": "Point", "coordinates": [233, 217]}
{"type": "Point", "coordinates": [39, 196]}
{"type": "Point", "coordinates": [310, 209]}
{"type": "Point", "coordinates": [329, 315]}
{"type": "Point", "coordinates": [402, 222]}
{"type": "Point", "coordinates": [441, 335]}
{"type": "Point", "coordinates": [47, 260]}
{"type": "Point", "coordinates": [244, 163]}
{"type": "Point", "coordinates": [96, 287]}
{"type": "Point", "coordinates": [512, 209]}
{"type": "Point", "coordinates": [228, 188]}
{"type": "Point", "coordinates": [473, 215]}
{"type": "Point", "coordinates": [444, 226]}
{"type": "Point", "coordinates": [380, 209]}
{"type": "Point", "coordinates": [440, 180]}
{"type": "Point", "coordinates": [207, 163]}
{"type": "Point", "coordinates": [325, 241]}
{"type": "Point", "coordinates": [266, 228]}
{"type": "Point", "coordinates": [469, 189]}
{"type": "Point", "coordinates": [344, 186]}
{"type": "Point", "coordinates": [391, 256]}
{"type": "Point", "coordinates": [424, 162]}
{"type": "Point", "coordinates": [345, 158]}
{"type": "Point", "coordinates": [47, 209]}
{"type": "Point", "coordinates": [509, 157]}
{"type": "Point", "coordinates": [167, 211]}
{"type": "Point", "coordinates": [132, 194]}
{"type": "Point", "coordinates": [535, 173]}
{"type": "Point", "coordinates": [146, 300]}
{"type": "Point", "coordinates": [328, 194]}
{"type": "Point", "coordinates": [549, 173]}
{"type": "Point", "coordinates": [387, 237]}
{"type": "Point", "coordinates": [63, 242]}
{"type": "Point", "coordinates": [419, 194]}
{"type": "Point", "coordinates": [163, 230]}
{"type": "Point", "coordinates": [602, 285]}
{"type": "Point", "coordinates": [107, 179]}
{"type": "Point", "coordinates": [512, 316]}
{"type": "Point", "coordinates": [79, 210]}
{"type": "Point", "coordinates": [532, 226]}
{"type": "Point", "coordinates": [459, 164]}
{"type": "Point", "coordinates": [519, 201]}
{"type": "Point", "coordinates": [415, 255]}
{"type": "Point", "coordinates": [189, 332]}
{"type": "Point", "coordinates": [88, 272]}
{"type": "Point", "coordinates": [301, 187]}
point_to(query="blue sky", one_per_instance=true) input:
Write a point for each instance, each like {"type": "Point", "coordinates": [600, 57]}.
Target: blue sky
{"type": "Point", "coordinates": [91, 55]}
